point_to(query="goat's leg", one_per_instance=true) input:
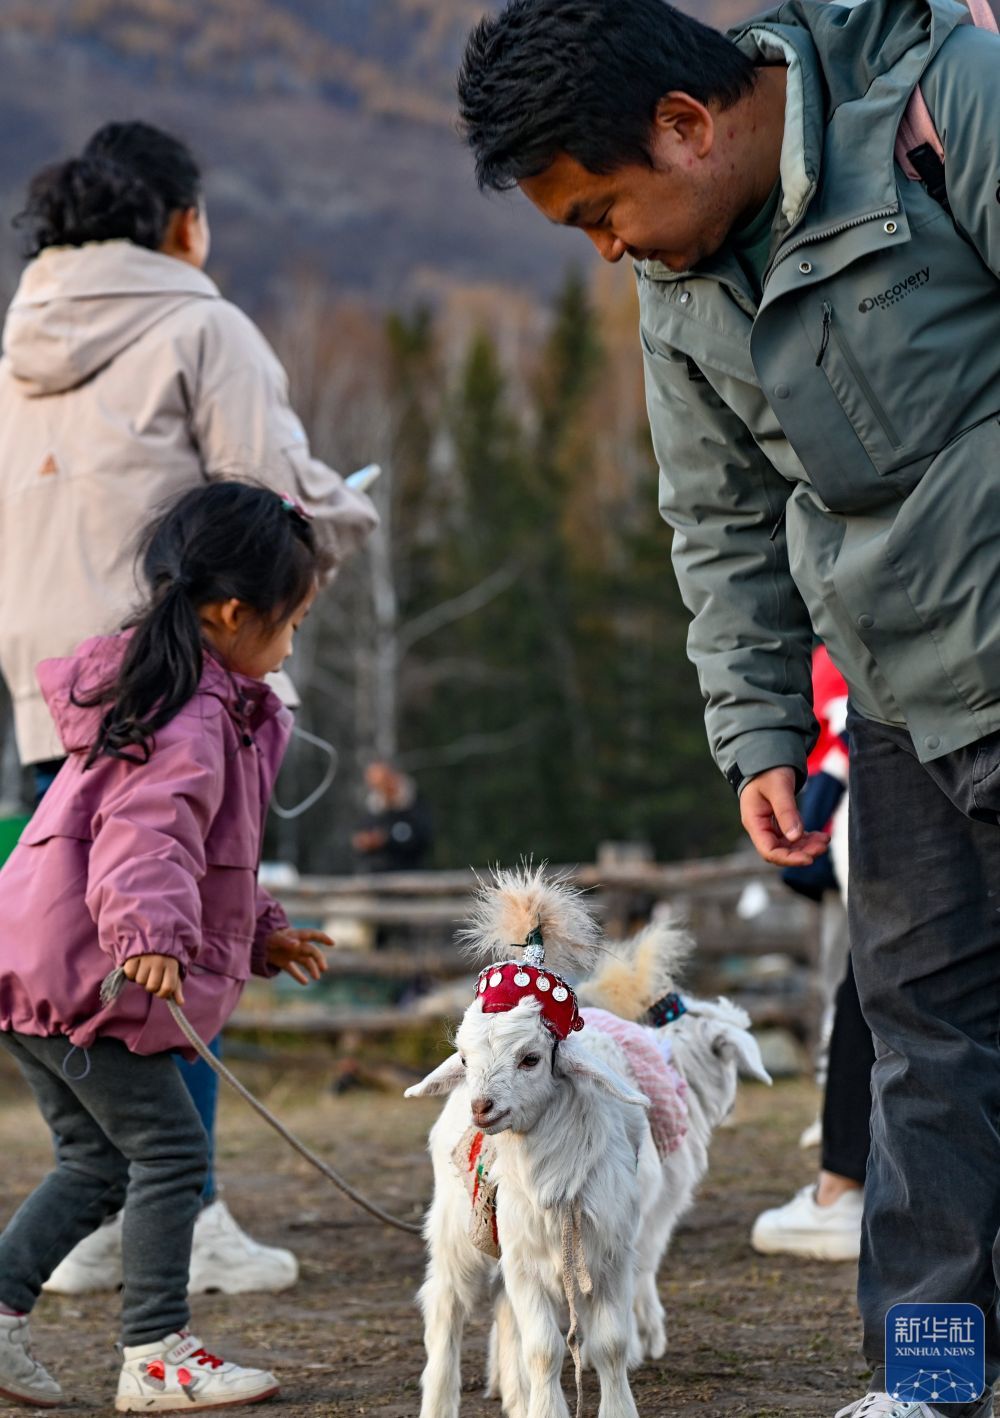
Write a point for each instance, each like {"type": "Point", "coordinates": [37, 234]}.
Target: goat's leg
{"type": "Point", "coordinates": [656, 1221]}
{"type": "Point", "coordinates": [649, 1314]}
{"type": "Point", "coordinates": [491, 1388]}
{"type": "Point", "coordinates": [512, 1382]}
{"type": "Point", "coordinates": [608, 1322]}
{"type": "Point", "coordinates": [457, 1279]}
{"type": "Point", "coordinates": [542, 1344]}
{"type": "Point", "coordinates": [649, 1317]}
{"type": "Point", "coordinates": [444, 1317]}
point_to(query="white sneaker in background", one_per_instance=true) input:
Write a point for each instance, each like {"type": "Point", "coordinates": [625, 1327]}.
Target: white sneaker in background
{"type": "Point", "coordinates": [803, 1228]}
{"type": "Point", "coordinates": [22, 1378]}
{"type": "Point", "coordinates": [178, 1372]}
{"type": "Point", "coordinates": [812, 1136]}
{"type": "Point", "coordinates": [226, 1259]}
{"type": "Point", "coordinates": [94, 1264]}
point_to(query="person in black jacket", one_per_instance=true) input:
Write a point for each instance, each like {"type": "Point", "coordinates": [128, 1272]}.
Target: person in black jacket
{"type": "Point", "coordinates": [395, 834]}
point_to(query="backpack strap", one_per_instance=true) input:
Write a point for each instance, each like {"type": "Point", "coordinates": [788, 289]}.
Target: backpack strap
{"type": "Point", "coordinates": [919, 150]}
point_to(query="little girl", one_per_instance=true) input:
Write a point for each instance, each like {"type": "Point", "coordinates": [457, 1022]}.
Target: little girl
{"type": "Point", "coordinates": [144, 855]}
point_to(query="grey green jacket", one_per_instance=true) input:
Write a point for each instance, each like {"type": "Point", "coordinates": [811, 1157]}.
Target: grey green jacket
{"type": "Point", "coordinates": [831, 459]}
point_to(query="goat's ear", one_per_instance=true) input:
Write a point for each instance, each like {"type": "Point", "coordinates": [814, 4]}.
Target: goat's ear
{"type": "Point", "coordinates": [444, 1078]}
{"type": "Point", "coordinates": [574, 1061]}
{"type": "Point", "coordinates": [731, 1042]}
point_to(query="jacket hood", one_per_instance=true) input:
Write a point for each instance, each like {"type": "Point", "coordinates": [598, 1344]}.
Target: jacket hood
{"type": "Point", "coordinates": [96, 661]}
{"type": "Point", "coordinates": [837, 56]}
{"type": "Point", "coordinates": [78, 307]}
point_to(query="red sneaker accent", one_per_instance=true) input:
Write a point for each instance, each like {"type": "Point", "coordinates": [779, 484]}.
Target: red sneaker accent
{"type": "Point", "coordinates": [203, 1357]}
{"type": "Point", "coordinates": [156, 1369]}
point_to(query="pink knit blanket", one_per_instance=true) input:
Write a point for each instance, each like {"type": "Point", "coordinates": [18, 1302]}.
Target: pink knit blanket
{"type": "Point", "coordinates": [648, 1055]}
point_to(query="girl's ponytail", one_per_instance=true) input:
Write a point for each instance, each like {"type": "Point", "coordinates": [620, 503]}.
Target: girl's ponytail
{"type": "Point", "coordinates": [159, 674]}
{"type": "Point", "coordinates": [220, 542]}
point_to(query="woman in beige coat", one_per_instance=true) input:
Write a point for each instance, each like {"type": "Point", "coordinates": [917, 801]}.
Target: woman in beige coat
{"type": "Point", "coordinates": [125, 379]}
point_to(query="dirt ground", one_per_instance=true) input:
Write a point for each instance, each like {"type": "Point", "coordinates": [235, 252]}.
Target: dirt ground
{"type": "Point", "coordinates": [749, 1336]}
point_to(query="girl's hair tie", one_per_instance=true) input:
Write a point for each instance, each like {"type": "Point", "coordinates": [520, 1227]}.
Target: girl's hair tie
{"type": "Point", "coordinates": [292, 505]}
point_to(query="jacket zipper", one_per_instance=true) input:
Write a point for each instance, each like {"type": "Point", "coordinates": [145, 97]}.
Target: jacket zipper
{"type": "Point", "coordinates": [830, 231]}
{"type": "Point", "coordinates": [857, 374]}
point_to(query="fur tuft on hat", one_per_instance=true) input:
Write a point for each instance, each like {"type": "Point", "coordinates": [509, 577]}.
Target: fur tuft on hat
{"type": "Point", "coordinates": [511, 905]}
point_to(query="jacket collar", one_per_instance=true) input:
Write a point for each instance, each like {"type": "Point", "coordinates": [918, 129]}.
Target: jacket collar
{"type": "Point", "coordinates": [251, 702]}
{"type": "Point", "coordinates": [851, 73]}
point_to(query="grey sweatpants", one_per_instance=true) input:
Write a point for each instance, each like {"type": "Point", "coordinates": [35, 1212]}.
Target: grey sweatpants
{"type": "Point", "coordinates": [125, 1132]}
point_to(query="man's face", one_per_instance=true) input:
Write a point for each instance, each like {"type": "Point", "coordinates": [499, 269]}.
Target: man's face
{"type": "Point", "coordinates": [678, 211]}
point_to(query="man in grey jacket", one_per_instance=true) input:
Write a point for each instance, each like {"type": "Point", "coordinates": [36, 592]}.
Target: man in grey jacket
{"type": "Point", "coordinates": [822, 350]}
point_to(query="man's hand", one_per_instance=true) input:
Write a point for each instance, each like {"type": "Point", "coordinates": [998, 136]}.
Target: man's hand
{"type": "Point", "coordinates": [771, 818]}
{"type": "Point", "coordinates": [159, 974]}
{"type": "Point", "coordinates": [294, 951]}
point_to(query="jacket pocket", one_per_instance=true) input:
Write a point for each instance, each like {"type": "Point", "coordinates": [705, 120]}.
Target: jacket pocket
{"type": "Point", "coordinates": [853, 388]}
{"type": "Point", "coordinates": [228, 905]}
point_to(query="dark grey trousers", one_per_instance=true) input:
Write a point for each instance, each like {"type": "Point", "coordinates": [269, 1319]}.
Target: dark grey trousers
{"type": "Point", "coordinates": [925, 942]}
{"type": "Point", "coordinates": [125, 1132]}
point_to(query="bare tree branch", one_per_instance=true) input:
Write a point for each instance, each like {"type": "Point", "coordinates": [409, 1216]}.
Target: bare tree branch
{"type": "Point", "coordinates": [457, 608]}
{"type": "Point", "coordinates": [469, 746]}
{"type": "Point", "coordinates": [428, 674]}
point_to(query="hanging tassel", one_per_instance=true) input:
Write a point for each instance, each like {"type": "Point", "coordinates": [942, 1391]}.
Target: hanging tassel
{"type": "Point", "coordinates": [113, 985]}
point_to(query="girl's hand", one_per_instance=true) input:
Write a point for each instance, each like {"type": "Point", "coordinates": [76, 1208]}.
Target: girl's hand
{"type": "Point", "coordinates": [159, 974]}
{"type": "Point", "coordinates": [293, 951]}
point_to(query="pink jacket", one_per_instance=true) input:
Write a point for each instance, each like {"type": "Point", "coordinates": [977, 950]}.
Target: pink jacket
{"type": "Point", "coordinates": [126, 858]}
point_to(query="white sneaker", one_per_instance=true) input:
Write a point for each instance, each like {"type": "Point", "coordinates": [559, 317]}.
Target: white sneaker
{"type": "Point", "coordinates": [812, 1136]}
{"type": "Point", "coordinates": [93, 1264]}
{"type": "Point", "coordinates": [226, 1259]}
{"type": "Point", "coordinates": [883, 1405]}
{"type": "Point", "coordinates": [22, 1378]}
{"type": "Point", "coordinates": [803, 1228]}
{"type": "Point", "coordinates": [179, 1373]}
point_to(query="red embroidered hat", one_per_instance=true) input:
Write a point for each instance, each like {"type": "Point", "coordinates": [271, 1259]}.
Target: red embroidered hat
{"type": "Point", "coordinates": [504, 985]}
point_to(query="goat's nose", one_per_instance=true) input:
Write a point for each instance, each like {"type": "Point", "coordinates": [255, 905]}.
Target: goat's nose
{"type": "Point", "coordinates": [482, 1107]}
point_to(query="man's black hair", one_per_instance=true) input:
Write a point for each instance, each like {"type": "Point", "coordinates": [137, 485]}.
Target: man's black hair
{"type": "Point", "coordinates": [584, 77]}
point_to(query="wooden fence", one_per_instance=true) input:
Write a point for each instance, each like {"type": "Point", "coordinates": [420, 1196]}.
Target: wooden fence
{"type": "Point", "coordinates": [395, 934]}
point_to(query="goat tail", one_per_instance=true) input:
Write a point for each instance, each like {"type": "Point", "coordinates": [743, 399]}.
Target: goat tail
{"type": "Point", "coordinates": [637, 972]}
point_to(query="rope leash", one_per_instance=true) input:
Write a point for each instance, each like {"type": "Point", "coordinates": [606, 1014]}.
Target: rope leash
{"type": "Point", "coordinates": [203, 1052]}
{"type": "Point", "coordinates": [110, 990]}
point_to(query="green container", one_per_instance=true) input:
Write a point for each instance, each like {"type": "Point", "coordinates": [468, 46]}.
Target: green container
{"type": "Point", "coordinates": [10, 830]}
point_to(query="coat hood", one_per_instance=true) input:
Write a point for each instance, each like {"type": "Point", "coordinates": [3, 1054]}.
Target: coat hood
{"type": "Point", "coordinates": [78, 307]}
{"type": "Point", "coordinates": [98, 660]}
{"type": "Point", "coordinates": [861, 59]}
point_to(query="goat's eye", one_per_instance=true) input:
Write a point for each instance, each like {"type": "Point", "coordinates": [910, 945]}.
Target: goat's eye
{"type": "Point", "coordinates": [530, 1061]}
{"type": "Point", "coordinates": [462, 1057]}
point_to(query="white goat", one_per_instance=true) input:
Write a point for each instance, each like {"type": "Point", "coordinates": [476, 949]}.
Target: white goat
{"type": "Point", "coordinates": [571, 1139]}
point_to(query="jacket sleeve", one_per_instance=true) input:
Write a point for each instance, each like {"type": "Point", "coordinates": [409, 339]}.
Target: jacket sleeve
{"type": "Point", "coordinates": [270, 917]}
{"type": "Point", "coordinates": [148, 851]}
{"type": "Point", "coordinates": [244, 426]}
{"type": "Point", "coordinates": [750, 638]}
{"type": "Point", "coordinates": [960, 87]}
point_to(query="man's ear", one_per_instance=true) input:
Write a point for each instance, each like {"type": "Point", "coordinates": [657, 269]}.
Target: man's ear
{"type": "Point", "coordinates": [444, 1078]}
{"type": "Point", "coordinates": [680, 121]}
{"type": "Point", "coordinates": [574, 1061]}
{"type": "Point", "coordinates": [731, 1042]}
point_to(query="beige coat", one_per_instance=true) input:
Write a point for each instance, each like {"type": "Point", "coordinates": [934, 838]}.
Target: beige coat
{"type": "Point", "coordinates": [125, 379]}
